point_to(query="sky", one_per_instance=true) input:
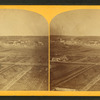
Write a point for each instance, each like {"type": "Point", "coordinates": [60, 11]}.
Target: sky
{"type": "Point", "coordinates": [14, 22]}
{"type": "Point", "coordinates": [85, 22]}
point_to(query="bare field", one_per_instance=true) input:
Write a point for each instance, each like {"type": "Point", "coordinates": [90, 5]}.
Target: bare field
{"type": "Point", "coordinates": [23, 63]}
{"type": "Point", "coordinates": [75, 63]}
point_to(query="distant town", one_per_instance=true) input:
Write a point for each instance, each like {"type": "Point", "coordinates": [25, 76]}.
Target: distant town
{"type": "Point", "coordinates": [21, 43]}
{"type": "Point", "coordinates": [74, 41]}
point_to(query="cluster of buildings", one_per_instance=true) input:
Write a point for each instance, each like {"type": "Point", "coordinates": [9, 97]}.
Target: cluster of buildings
{"type": "Point", "coordinates": [21, 43]}
{"type": "Point", "coordinates": [73, 41]}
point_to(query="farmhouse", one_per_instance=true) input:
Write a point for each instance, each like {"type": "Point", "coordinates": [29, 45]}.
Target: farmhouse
{"type": "Point", "coordinates": [59, 59]}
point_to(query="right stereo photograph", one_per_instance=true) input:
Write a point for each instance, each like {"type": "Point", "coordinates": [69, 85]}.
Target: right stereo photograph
{"type": "Point", "coordinates": [75, 51]}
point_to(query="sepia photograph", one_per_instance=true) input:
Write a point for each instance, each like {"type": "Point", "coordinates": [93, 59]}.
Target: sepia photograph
{"type": "Point", "coordinates": [75, 51]}
{"type": "Point", "coordinates": [23, 51]}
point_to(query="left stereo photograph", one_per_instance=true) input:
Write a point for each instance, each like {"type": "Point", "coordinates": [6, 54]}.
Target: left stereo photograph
{"type": "Point", "coordinates": [23, 51]}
